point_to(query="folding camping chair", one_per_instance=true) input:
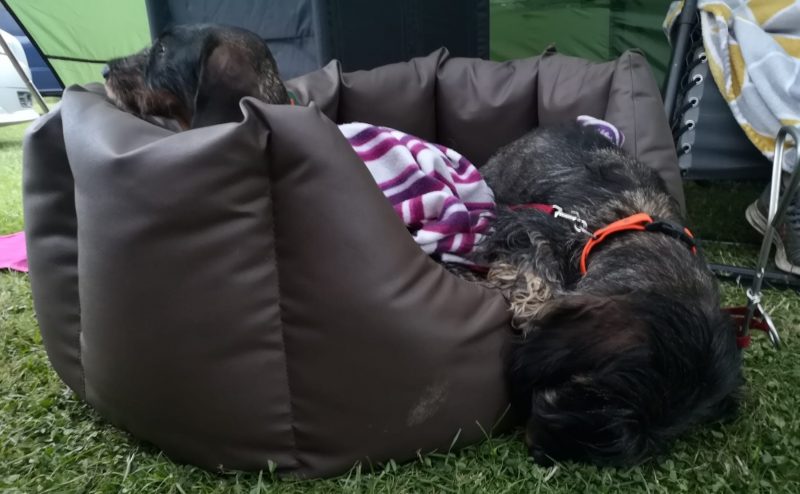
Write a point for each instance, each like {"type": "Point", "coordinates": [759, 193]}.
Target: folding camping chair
{"type": "Point", "coordinates": [22, 75]}
{"type": "Point", "coordinates": [304, 35]}
{"type": "Point", "coordinates": [712, 146]}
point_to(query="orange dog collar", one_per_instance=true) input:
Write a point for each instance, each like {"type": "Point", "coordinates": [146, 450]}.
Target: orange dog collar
{"type": "Point", "coordinates": [636, 222]}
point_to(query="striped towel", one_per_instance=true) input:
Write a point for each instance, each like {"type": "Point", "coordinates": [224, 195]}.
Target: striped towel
{"type": "Point", "coordinates": [438, 193]}
{"type": "Point", "coordinates": [753, 50]}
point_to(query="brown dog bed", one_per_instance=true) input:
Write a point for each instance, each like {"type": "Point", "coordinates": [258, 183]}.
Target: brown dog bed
{"type": "Point", "coordinates": [243, 293]}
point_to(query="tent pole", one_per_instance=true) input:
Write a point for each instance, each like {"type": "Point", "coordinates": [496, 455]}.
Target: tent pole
{"type": "Point", "coordinates": [23, 75]}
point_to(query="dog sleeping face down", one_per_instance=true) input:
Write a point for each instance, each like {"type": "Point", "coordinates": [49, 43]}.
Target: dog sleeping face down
{"type": "Point", "coordinates": [196, 74]}
{"type": "Point", "coordinates": [610, 365]}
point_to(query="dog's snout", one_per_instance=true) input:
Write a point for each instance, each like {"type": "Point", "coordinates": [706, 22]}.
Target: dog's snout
{"type": "Point", "coordinates": [105, 71]}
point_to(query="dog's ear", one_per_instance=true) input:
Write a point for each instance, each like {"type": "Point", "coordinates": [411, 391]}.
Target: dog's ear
{"type": "Point", "coordinates": [612, 380]}
{"type": "Point", "coordinates": [574, 378]}
{"type": "Point", "coordinates": [226, 76]}
{"type": "Point", "coordinates": [575, 333]}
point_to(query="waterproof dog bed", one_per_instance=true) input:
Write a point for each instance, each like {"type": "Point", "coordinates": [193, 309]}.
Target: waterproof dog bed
{"type": "Point", "coordinates": [243, 293]}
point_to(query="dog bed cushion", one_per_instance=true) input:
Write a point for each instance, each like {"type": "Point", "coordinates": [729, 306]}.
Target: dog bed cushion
{"type": "Point", "coordinates": [244, 293]}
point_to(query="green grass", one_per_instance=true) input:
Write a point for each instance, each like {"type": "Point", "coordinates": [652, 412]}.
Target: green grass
{"type": "Point", "coordinates": [11, 178]}
{"type": "Point", "coordinates": [51, 442]}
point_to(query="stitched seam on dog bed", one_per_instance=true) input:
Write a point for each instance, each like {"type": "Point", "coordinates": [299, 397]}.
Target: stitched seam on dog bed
{"type": "Point", "coordinates": [80, 310]}
{"type": "Point", "coordinates": [292, 424]}
{"type": "Point", "coordinates": [80, 331]}
{"type": "Point", "coordinates": [79, 314]}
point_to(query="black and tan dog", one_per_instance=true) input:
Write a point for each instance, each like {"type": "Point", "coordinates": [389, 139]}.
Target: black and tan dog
{"type": "Point", "coordinates": [196, 74]}
{"type": "Point", "coordinates": [610, 365]}
{"type": "Point", "coordinates": [614, 362]}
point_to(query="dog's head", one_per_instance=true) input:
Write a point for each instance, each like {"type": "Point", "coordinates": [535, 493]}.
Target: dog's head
{"type": "Point", "coordinates": [196, 74]}
{"type": "Point", "coordinates": [612, 381]}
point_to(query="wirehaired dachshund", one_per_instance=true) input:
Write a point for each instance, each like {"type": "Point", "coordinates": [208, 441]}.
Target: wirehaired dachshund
{"type": "Point", "coordinates": [622, 345]}
{"type": "Point", "coordinates": [196, 74]}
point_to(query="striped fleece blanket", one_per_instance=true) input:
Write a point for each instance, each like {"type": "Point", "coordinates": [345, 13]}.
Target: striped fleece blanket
{"type": "Point", "coordinates": [438, 193]}
{"type": "Point", "coordinates": [753, 50]}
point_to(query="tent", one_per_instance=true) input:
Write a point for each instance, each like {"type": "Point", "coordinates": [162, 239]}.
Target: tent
{"type": "Point", "coordinates": [593, 29]}
{"type": "Point", "coordinates": [77, 38]}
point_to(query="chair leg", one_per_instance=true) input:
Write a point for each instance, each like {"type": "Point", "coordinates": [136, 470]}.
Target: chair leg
{"type": "Point", "coordinates": [777, 207]}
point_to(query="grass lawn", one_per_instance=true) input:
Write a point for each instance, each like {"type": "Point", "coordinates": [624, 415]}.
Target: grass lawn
{"type": "Point", "coordinates": [51, 442]}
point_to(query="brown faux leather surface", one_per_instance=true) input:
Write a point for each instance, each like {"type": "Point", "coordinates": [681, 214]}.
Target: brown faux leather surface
{"type": "Point", "coordinates": [243, 293]}
{"type": "Point", "coordinates": [480, 105]}
{"type": "Point", "coordinates": [51, 237]}
{"type": "Point", "coordinates": [248, 295]}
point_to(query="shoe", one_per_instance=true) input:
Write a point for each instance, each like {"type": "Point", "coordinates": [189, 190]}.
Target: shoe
{"type": "Point", "coordinates": [787, 239]}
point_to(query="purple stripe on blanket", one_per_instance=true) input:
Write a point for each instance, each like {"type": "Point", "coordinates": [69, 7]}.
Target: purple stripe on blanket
{"type": "Point", "coordinates": [365, 136]}
{"type": "Point", "coordinates": [480, 205]}
{"type": "Point", "coordinates": [448, 224]}
{"type": "Point", "coordinates": [416, 210]}
{"type": "Point", "coordinates": [451, 225]}
{"type": "Point", "coordinates": [445, 245]}
{"type": "Point", "coordinates": [418, 188]}
{"type": "Point", "coordinates": [480, 217]}
{"type": "Point", "coordinates": [448, 205]}
{"type": "Point", "coordinates": [441, 178]}
{"type": "Point", "coordinates": [472, 177]}
{"type": "Point", "coordinates": [464, 165]}
{"type": "Point", "coordinates": [408, 172]}
{"type": "Point", "coordinates": [468, 242]}
{"type": "Point", "coordinates": [377, 151]}
{"type": "Point", "coordinates": [441, 148]}
{"type": "Point", "coordinates": [415, 145]}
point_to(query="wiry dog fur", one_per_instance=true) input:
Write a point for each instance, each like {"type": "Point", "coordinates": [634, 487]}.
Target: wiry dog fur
{"type": "Point", "coordinates": [611, 366]}
{"type": "Point", "coordinates": [196, 74]}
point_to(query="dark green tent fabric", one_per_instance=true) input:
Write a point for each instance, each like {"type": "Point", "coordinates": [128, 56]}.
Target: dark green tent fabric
{"type": "Point", "coordinates": [594, 29]}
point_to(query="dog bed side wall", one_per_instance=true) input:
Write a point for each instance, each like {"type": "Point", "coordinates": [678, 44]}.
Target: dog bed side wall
{"type": "Point", "coordinates": [388, 353]}
{"type": "Point", "coordinates": [400, 95]}
{"type": "Point", "coordinates": [182, 340]}
{"type": "Point", "coordinates": [480, 105]}
{"type": "Point", "coordinates": [52, 244]}
{"type": "Point", "coordinates": [248, 295]}
{"type": "Point", "coordinates": [571, 86]}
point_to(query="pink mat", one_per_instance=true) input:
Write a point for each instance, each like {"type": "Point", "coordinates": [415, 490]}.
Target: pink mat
{"type": "Point", "coordinates": [13, 254]}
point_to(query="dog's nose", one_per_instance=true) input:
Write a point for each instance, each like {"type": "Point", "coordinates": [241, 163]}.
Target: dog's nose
{"type": "Point", "coordinates": [105, 71]}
